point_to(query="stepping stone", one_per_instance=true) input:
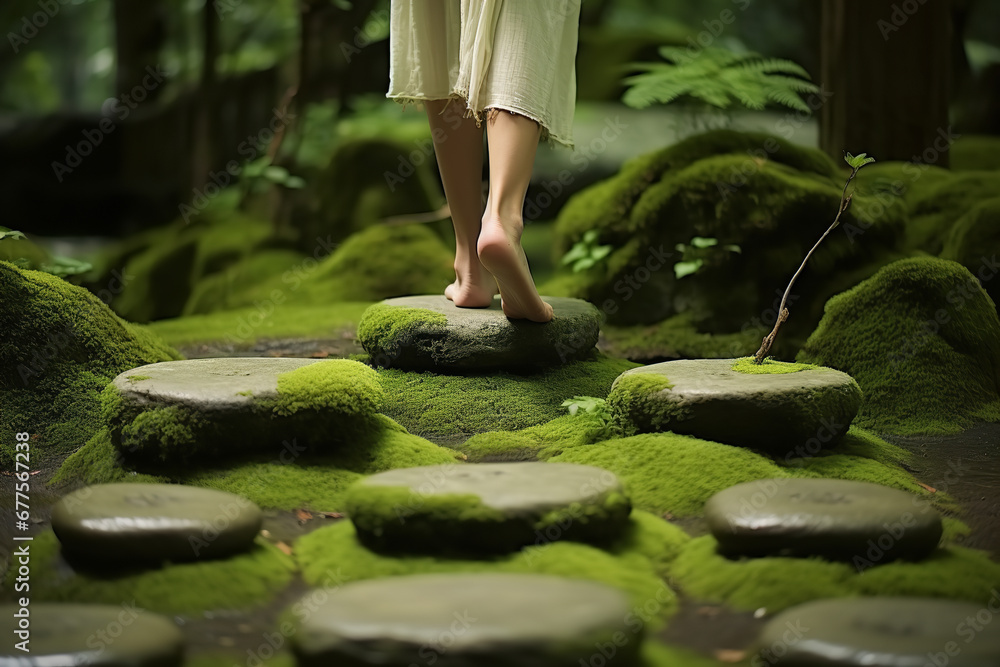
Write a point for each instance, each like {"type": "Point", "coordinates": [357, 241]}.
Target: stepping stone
{"type": "Point", "coordinates": [467, 620]}
{"type": "Point", "coordinates": [865, 523]}
{"type": "Point", "coordinates": [180, 411]}
{"type": "Point", "coordinates": [882, 632]}
{"type": "Point", "coordinates": [430, 333]}
{"type": "Point", "coordinates": [153, 523]}
{"type": "Point", "coordinates": [488, 507]}
{"type": "Point", "coordinates": [790, 414]}
{"type": "Point", "coordinates": [62, 635]}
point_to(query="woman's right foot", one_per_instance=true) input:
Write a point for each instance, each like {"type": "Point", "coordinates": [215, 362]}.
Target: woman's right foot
{"type": "Point", "coordinates": [501, 253]}
{"type": "Point", "coordinates": [474, 287]}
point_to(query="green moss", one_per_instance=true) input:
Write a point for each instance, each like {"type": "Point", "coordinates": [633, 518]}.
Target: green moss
{"type": "Point", "coordinates": [972, 152]}
{"type": "Point", "coordinates": [678, 337]}
{"type": "Point", "coordinates": [660, 655]}
{"type": "Point", "coordinates": [340, 385]}
{"type": "Point", "coordinates": [936, 207]}
{"type": "Point", "coordinates": [457, 405]}
{"type": "Point", "coordinates": [243, 327]}
{"type": "Point", "coordinates": [643, 462]}
{"type": "Point", "coordinates": [778, 583]}
{"type": "Point", "coordinates": [771, 208]}
{"type": "Point", "coordinates": [263, 276]}
{"type": "Point", "coordinates": [922, 339]}
{"type": "Point", "coordinates": [404, 519]}
{"type": "Point", "coordinates": [535, 442]}
{"type": "Point", "coordinates": [61, 345]}
{"type": "Point", "coordinates": [220, 659]}
{"type": "Point", "coordinates": [237, 583]}
{"type": "Point", "coordinates": [630, 565]}
{"type": "Point", "coordinates": [632, 404]}
{"type": "Point", "coordinates": [289, 476]}
{"type": "Point", "coordinates": [769, 367]}
{"type": "Point", "coordinates": [382, 325]}
{"type": "Point", "coordinates": [974, 242]}
{"type": "Point", "coordinates": [137, 378]}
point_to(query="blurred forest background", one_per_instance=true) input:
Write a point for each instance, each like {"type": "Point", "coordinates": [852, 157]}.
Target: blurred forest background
{"type": "Point", "coordinates": [183, 87]}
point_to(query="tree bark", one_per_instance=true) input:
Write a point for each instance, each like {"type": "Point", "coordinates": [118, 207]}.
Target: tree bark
{"type": "Point", "coordinates": [887, 64]}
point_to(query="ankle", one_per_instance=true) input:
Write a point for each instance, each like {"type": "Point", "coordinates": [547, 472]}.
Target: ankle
{"type": "Point", "coordinates": [513, 226]}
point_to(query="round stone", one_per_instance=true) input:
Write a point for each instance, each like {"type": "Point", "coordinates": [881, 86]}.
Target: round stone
{"type": "Point", "coordinates": [790, 414]}
{"type": "Point", "coordinates": [467, 620]}
{"type": "Point", "coordinates": [882, 632]}
{"type": "Point", "coordinates": [152, 523]}
{"type": "Point", "coordinates": [867, 524]}
{"type": "Point", "coordinates": [65, 635]}
{"type": "Point", "coordinates": [488, 507]}
{"type": "Point", "coordinates": [431, 333]}
{"type": "Point", "coordinates": [176, 411]}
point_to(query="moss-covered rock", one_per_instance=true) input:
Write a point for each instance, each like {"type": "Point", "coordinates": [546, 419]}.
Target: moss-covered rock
{"type": "Point", "coordinates": [237, 583]}
{"type": "Point", "coordinates": [462, 405]}
{"type": "Point", "coordinates": [936, 205]}
{"type": "Point", "coordinates": [289, 475]}
{"type": "Point", "coordinates": [975, 152]}
{"type": "Point", "coordinates": [770, 198]}
{"type": "Point", "coordinates": [633, 564]}
{"type": "Point", "coordinates": [489, 508]}
{"type": "Point", "coordinates": [61, 346]}
{"type": "Point", "coordinates": [368, 180]}
{"type": "Point", "coordinates": [212, 408]}
{"type": "Point", "coordinates": [922, 339]}
{"type": "Point", "coordinates": [777, 583]}
{"type": "Point", "coordinates": [974, 242]}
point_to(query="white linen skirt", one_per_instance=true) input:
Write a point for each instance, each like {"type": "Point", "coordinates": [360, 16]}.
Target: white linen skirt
{"type": "Point", "coordinates": [515, 55]}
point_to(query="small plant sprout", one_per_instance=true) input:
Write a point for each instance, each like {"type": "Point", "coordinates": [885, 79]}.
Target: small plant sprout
{"type": "Point", "coordinates": [856, 162]}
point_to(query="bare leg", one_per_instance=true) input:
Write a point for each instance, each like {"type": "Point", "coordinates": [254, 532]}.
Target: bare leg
{"type": "Point", "coordinates": [513, 140]}
{"type": "Point", "coordinates": [458, 144]}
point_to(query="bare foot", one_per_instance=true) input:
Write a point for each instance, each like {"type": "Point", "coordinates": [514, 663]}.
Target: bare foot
{"type": "Point", "coordinates": [501, 253]}
{"type": "Point", "coordinates": [474, 287]}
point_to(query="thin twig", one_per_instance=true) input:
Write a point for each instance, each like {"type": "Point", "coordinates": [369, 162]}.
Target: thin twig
{"type": "Point", "coordinates": [768, 340]}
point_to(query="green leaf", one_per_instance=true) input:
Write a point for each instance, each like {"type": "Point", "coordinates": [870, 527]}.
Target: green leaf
{"type": "Point", "coordinates": [275, 174]}
{"type": "Point", "coordinates": [65, 266]}
{"type": "Point", "coordinates": [10, 234]}
{"type": "Point", "coordinates": [857, 161]}
{"type": "Point", "coordinates": [732, 248]}
{"type": "Point", "coordinates": [703, 242]}
{"type": "Point", "coordinates": [295, 182]}
{"type": "Point", "coordinates": [583, 264]}
{"type": "Point", "coordinates": [682, 269]}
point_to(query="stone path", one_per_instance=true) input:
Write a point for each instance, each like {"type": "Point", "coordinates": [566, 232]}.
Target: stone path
{"type": "Point", "coordinates": [782, 413]}
{"type": "Point", "coordinates": [153, 523]}
{"type": "Point", "coordinates": [489, 507]}
{"type": "Point", "coordinates": [882, 632]}
{"type": "Point", "coordinates": [462, 620]}
{"type": "Point", "coordinates": [867, 524]}
{"type": "Point", "coordinates": [431, 333]}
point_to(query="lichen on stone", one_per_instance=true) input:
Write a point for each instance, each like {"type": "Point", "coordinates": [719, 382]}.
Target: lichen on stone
{"type": "Point", "coordinates": [769, 367]}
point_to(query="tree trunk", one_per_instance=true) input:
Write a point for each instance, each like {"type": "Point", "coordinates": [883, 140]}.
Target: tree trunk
{"type": "Point", "coordinates": [887, 64]}
{"type": "Point", "coordinates": [205, 109]}
{"type": "Point", "coordinates": [140, 33]}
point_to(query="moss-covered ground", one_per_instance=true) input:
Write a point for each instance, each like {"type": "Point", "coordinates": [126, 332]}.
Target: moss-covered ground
{"type": "Point", "coordinates": [246, 580]}
{"type": "Point", "coordinates": [429, 404]}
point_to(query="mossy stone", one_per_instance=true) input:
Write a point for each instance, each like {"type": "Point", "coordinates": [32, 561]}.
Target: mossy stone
{"type": "Point", "coordinates": [151, 523]}
{"type": "Point", "coordinates": [467, 620]}
{"type": "Point", "coordinates": [974, 242]}
{"type": "Point", "coordinates": [831, 518]}
{"type": "Point", "coordinates": [922, 338]}
{"type": "Point", "coordinates": [881, 632]}
{"type": "Point", "coordinates": [430, 333]}
{"type": "Point", "coordinates": [707, 398]}
{"type": "Point", "coordinates": [490, 507]}
{"type": "Point", "coordinates": [221, 406]}
{"type": "Point", "coordinates": [61, 635]}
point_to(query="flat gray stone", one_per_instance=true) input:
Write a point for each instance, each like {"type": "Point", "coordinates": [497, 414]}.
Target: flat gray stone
{"type": "Point", "coordinates": [67, 635]}
{"type": "Point", "coordinates": [881, 632]}
{"type": "Point", "coordinates": [476, 339]}
{"type": "Point", "coordinates": [153, 523]}
{"type": "Point", "coordinates": [489, 507]}
{"type": "Point", "coordinates": [467, 620]}
{"type": "Point", "coordinates": [867, 524]}
{"type": "Point", "coordinates": [185, 411]}
{"type": "Point", "coordinates": [788, 414]}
